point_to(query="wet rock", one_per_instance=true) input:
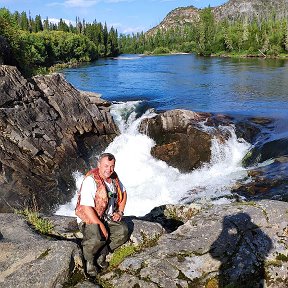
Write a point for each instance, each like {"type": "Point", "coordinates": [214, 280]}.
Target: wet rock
{"type": "Point", "coordinates": [247, 131]}
{"type": "Point", "coordinates": [266, 182]}
{"type": "Point", "coordinates": [261, 120]}
{"type": "Point", "coordinates": [180, 142]}
{"type": "Point", "coordinates": [183, 138]}
{"type": "Point", "coordinates": [265, 151]}
{"type": "Point", "coordinates": [48, 129]}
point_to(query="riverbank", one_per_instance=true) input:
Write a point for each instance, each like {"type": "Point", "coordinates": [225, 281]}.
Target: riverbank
{"type": "Point", "coordinates": [173, 246]}
{"type": "Point", "coordinates": [250, 55]}
{"type": "Point", "coordinates": [221, 54]}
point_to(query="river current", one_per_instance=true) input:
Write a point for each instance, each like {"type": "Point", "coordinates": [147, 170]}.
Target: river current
{"type": "Point", "coordinates": [141, 86]}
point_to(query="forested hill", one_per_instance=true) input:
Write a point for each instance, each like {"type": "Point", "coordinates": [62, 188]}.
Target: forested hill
{"type": "Point", "coordinates": [238, 28]}
{"type": "Point", "coordinates": [232, 10]}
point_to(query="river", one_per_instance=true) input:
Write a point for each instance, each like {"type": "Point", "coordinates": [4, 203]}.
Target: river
{"type": "Point", "coordinates": [140, 86]}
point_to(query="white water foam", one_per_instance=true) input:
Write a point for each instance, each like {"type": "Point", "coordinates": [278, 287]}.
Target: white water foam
{"type": "Point", "coordinates": [150, 182]}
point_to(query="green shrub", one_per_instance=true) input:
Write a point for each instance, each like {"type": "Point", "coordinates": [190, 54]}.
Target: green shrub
{"type": "Point", "coordinates": [161, 50]}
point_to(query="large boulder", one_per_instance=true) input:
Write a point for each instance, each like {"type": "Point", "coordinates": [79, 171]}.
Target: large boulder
{"type": "Point", "coordinates": [30, 260]}
{"type": "Point", "coordinates": [180, 140]}
{"type": "Point", "coordinates": [183, 138]}
{"type": "Point", "coordinates": [48, 129]}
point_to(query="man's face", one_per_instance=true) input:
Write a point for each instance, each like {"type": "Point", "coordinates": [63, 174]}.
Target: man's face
{"type": "Point", "coordinates": [106, 167]}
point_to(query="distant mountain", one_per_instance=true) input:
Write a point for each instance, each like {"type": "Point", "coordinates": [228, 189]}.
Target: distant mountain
{"type": "Point", "coordinates": [232, 10]}
{"type": "Point", "coordinates": [235, 9]}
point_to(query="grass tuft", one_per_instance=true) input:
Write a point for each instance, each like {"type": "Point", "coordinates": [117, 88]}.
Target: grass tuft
{"type": "Point", "coordinates": [43, 226]}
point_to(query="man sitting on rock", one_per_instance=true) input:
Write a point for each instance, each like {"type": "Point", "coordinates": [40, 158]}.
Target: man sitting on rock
{"type": "Point", "coordinates": [100, 207]}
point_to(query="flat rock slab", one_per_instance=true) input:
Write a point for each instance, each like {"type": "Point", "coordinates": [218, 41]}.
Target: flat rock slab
{"type": "Point", "coordinates": [30, 260]}
{"type": "Point", "coordinates": [243, 243]}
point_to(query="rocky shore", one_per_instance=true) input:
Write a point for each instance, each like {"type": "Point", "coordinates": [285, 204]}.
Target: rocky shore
{"type": "Point", "coordinates": [240, 245]}
{"type": "Point", "coordinates": [48, 129]}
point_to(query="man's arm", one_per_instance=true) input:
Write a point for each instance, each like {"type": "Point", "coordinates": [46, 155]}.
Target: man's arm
{"type": "Point", "coordinates": [117, 216]}
{"type": "Point", "coordinates": [122, 204]}
{"type": "Point", "coordinates": [94, 219]}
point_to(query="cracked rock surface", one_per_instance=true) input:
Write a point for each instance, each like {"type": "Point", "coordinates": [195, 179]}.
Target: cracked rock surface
{"type": "Point", "coordinates": [48, 129]}
{"type": "Point", "coordinates": [244, 244]}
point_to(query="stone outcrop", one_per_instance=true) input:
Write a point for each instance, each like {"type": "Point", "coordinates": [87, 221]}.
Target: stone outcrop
{"type": "Point", "coordinates": [232, 10]}
{"type": "Point", "coordinates": [241, 243]}
{"type": "Point", "coordinates": [177, 18]}
{"type": "Point", "coordinates": [183, 138]}
{"type": "Point", "coordinates": [179, 139]}
{"type": "Point", "coordinates": [28, 259]}
{"type": "Point", "coordinates": [250, 9]}
{"type": "Point", "coordinates": [48, 129]}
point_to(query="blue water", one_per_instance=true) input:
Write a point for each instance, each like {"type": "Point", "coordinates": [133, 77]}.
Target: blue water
{"type": "Point", "coordinates": [255, 87]}
{"type": "Point", "coordinates": [241, 87]}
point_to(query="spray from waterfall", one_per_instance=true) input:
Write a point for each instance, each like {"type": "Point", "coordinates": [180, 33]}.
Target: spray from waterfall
{"type": "Point", "coordinates": [151, 182]}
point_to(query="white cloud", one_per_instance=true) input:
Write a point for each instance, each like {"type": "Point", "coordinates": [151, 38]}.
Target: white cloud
{"type": "Point", "coordinates": [124, 29]}
{"type": "Point", "coordinates": [81, 3]}
{"type": "Point", "coordinates": [75, 3]}
{"type": "Point", "coordinates": [56, 21]}
{"type": "Point", "coordinates": [84, 3]}
{"type": "Point", "coordinates": [129, 30]}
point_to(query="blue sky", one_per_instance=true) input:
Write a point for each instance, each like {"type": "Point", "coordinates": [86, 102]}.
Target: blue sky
{"type": "Point", "coordinates": [126, 15]}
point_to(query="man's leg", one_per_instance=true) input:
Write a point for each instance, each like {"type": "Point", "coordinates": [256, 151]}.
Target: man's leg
{"type": "Point", "coordinates": [91, 243]}
{"type": "Point", "coordinates": [118, 234]}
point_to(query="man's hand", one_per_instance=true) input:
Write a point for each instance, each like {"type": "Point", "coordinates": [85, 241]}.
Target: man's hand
{"type": "Point", "coordinates": [117, 216]}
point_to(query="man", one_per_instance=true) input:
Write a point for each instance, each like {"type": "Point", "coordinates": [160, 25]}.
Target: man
{"type": "Point", "coordinates": [100, 208]}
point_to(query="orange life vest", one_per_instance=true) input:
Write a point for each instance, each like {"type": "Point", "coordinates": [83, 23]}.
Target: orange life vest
{"type": "Point", "coordinates": [101, 196]}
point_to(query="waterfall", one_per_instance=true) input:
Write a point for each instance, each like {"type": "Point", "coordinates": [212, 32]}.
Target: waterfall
{"type": "Point", "coordinates": [151, 182]}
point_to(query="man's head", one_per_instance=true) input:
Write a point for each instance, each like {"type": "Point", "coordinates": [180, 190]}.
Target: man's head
{"type": "Point", "coordinates": [106, 165]}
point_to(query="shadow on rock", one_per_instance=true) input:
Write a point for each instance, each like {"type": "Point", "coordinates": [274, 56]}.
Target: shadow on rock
{"type": "Point", "coordinates": [242, 248]}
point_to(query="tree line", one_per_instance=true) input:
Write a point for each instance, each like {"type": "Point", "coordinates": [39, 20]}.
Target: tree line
{"type": "Point", "coordinates": [243, 36]}
{"type": "Point", "coordinates": [33, 45]}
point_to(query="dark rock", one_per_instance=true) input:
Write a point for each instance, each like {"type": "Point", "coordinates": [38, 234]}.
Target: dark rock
{"type": "Point", "coordinates": [246, 130]}
{"type": "Point", "coordinates": [183, 138]}
{"type": "Point", "coordinates": [266, 151]}
{"type": "Point", "coordinates": [48, 129]}
{"type": "Point", "coordinates": [266, 182]}
{"type": "Point", "coordinates": [179, 140]}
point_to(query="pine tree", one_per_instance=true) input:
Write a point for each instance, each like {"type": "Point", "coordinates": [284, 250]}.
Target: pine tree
{"type": "Point", "coordinates": [46, 24]}
{"type": "Point", "coordinates": [38, 23]}
{"type": "Point", "coordinates": [24, 23]}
